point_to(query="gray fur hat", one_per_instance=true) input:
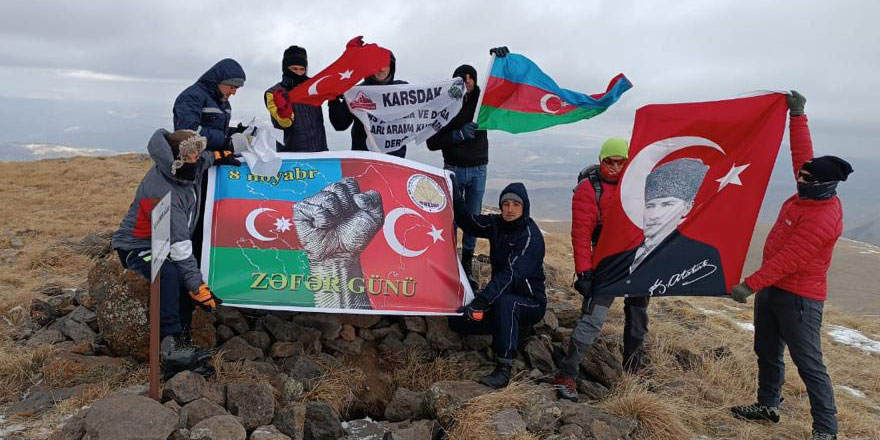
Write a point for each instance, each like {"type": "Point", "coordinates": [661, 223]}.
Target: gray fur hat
{"type": "Point", "coordinates": [680, 178]}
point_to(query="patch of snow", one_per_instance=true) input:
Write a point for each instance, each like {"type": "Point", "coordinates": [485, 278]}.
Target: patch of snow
{"type": "Point", "coordinates": [748, 326]}
{"type": "Point", "coordinates": [709, 312]}
{"type": "Point", "coordinates": [853, 338]}
{"type": "Point", "coordinates": [853, 391]}
{"type": "Point", "coordinates": [53, 150]}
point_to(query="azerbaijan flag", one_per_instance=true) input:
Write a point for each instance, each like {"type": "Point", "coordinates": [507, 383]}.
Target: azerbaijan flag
{"type": "Point", "coordinates": [519, 97]}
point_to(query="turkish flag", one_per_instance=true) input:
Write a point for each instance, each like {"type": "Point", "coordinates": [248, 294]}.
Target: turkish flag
{"type": "Point", "coordinates": [357, 62]}
{"type": "Point", "coordinates": [686, 204]}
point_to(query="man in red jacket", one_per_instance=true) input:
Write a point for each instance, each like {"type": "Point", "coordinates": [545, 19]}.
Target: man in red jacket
{"type": "Point", "coordinates": [587, 216]}
{"type": "Point", "coordinates": [792, 284]}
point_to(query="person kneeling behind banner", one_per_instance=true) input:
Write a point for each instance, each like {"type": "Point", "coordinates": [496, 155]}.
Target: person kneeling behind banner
{"type": "Point", "coordinates": [514, 298]}
{"type": "Point", "coordinates": [180, 161]}
{"type": "Point", "coordinates": [792, 282]}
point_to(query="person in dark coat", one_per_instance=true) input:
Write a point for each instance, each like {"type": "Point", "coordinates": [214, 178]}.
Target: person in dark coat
{"type": "Point", "coordinates": [792, 282]}
{"type": "Point", "coordinates": [303, 124]}
{"type": "Point", "coordinates": [514, 298]}
{"type": "Point", "coordinates": [341, 117]}
{"type": "Point", "coordinates": [204, 106]}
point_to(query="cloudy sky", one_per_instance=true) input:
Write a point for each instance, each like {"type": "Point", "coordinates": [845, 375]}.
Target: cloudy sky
{"type": "Point", "coordinates": [103, 74]}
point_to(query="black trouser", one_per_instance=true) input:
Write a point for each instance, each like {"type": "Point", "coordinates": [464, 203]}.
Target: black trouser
{"type": "Point", "coordinates": [175, 305]}
{"type": "Point", "coordinates": [504, 319]}
{"type": "Point", "coordinates": [594, 310]}
{"type": "Point", "coordinates": [784, 318]}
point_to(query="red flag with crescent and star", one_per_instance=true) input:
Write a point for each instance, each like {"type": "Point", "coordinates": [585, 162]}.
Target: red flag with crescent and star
{"type": "Point", "coordinates": [688, 199]}
{"type": "Point", "coordinates": [357, 62]}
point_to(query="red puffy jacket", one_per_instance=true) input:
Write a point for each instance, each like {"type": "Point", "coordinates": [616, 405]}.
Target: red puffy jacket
{"type": "Point", "coordinates": [584, 219]}
{"type": "Point", "coordinates": [798, 250]}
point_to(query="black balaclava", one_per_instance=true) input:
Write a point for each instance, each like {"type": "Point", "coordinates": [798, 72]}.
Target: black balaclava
{"type": "Point", "coordinates": [464, 69]}
{"type": "Point", "coordinates": [826, 172]}
{"type": "Point", "coordinates": [293, 56]}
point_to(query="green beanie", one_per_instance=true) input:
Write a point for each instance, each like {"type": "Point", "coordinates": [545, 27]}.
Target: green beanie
{"type": "Point", "coordinates": [614, 147]}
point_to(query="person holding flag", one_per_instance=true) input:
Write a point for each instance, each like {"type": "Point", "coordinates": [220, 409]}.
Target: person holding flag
{"type": "Point", "coordinates": [341, 117]}
{"type": "Point", "coordinates": [791, 283]}
{"type": "Point", "coordinates": [302, 124]}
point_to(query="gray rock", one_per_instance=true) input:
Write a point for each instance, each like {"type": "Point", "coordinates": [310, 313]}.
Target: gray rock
{"type": "Point", "coordinates": [342, 346]}
{"type": "Point", "coordinates": [440, 336]}
{"type": "Point", "coordinates": [565, 312]}
{"type": "Point", "coordinates": [507, 423]}
{"type": "Point", "coordinates": [391, 345]}
{"type": "Point", "coordinates": [232, 318]}
{"type": "Point", "coordinates": [268, 432]}
{"type": "Point", "coordinates": [73, 428]}
{"type": "Point", "coordinates": [322, 422]}
{"type": "Point", "coordinates": [538, 353]}
{"type": "Point", "coordinates": [392, 330]}
{"type": "Point", "coordinates": [304, 370]}
{"type": "Point", "coordinates": [77, 331]}
{"type": "Point", "coordinates": [415, 324]}
{"type": "Point", "coordinates": [548, 324]}
{"type": "Point", "coordinates": [129, 417]}
{"type": "Point", "coordinates": [476, 342]}
{"type": "Point", "coordinates": [254, 405]}
{"type": "Point", "coordinates": [184, 387]}
{"type": "Point", "coordinates": [40, 398]}
{"type": "Point", "coordinates": [122, 298]}
{"type": "Point", "coordinates": [542, 412]}
{"type": "Point", "coordinates": [329, 325]}
{"type": "Point", "coordinates": [42, 313]}
{"type": "Point", "coordinates": [225, 427]}
{"type": "Point", "coordinates": [292, 391]}
{"type": "Point", "coordinates": [224, 333]}
{"type": "Point", "coordinates": [267, 369]}
{"type": "Point", "coordinates": [601, 364]}
{"type": "Point", "coordinates": [280, 329]}
{"type": "Point", "coordinates": [259, 340]}
{"type": "Point", "coordinates": [571, 430]}
{"type": "Point", "coordinates": [64, 303]}
{"type": "Point", "coordinates": [592, 390]}
{"type": "Point", "coordinates": [200, 409]}
{"type": "Point", "coordinates": [285, 349]}
{"type": "Point", "coordinates": [417, 430]}
{"type": "Point", "coordinates": [215, 392]}
{"type": "Point", "coordinates": [291, 419]}
{"type": "Point", "coordinates": [83, 315]}
{"type": "Point", "coordinates": [237, 349]}
{"type": "Point", "coordinates": [364, 429]}
{"type": "Point", "coordinates": [359, 321]}
{"type": "Point", "coordinates": [447, 396]}
{"type": "Point", "coordinates": [416, 342]}
{"type": "Point", "coordinates": [406, 405]}
{"type": "Point", "coordinates": [596, 422]}
{"type": "Point", "coordinates": [45, 336]}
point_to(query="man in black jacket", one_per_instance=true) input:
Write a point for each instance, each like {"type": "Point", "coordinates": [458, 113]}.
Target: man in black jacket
{"type": "Point", "coordinates": [514, 297]}
{"type": "Point", "coordinates": [303, 124]}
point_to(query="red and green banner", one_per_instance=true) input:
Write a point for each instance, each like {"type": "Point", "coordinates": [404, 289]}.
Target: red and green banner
{"type": "Point", "coordinates": [345, 232]}
{"type": "Point", "coordinates": [519, 97]}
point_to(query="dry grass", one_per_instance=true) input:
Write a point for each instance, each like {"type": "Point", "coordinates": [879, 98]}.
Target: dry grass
{"type": "Point", "coordinates": [340, 386]}
{"type": "Point", "coordinates": [657, 419]}
{"type": "Point", "coordinates": [472, 420]}
{"type": "Point", "coordinates": [20, 367]}
{"type": "Point", "coordinates": [415, 370]}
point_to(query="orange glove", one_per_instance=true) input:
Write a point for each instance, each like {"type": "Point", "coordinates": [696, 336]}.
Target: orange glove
{"type": "Point", "coordinates": [205, 297]}
{"type": "Point", "coordinates": [226, 157]}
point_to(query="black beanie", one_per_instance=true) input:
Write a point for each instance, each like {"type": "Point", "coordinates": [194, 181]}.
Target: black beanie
{"type": "Point", "coordinates": [464, 69]}
{"type": "Point", "coordinates": [828, 168]}
{"type": "Point", "coordinates": [294, 55]}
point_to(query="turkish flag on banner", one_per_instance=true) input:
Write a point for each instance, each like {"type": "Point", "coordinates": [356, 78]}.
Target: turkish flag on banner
{"type": "Point", "coordinates": [357, 62]}
{"type": "Point", "coordinates": [687, 201]}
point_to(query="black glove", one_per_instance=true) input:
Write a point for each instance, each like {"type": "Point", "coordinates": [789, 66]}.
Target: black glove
{"type": "Point", "coordinates": [741, 292]}
{"type": "Point", "coordinates": [469, 130]}
{"type": "Point", "coordinates": [499, 52]}
{"type": "Point", "coordinates": [476, 310]}
{"type": "Point", "coordinates": [796, 103]}
{"type": "Point", "coordinates": [584, 284]}
{"type": "Point", "coordinates": [226, 157]}
{"type": "Point", "coordinates": [237, 129]}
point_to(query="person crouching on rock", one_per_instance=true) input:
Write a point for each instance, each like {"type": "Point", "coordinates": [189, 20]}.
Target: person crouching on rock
{"type": "Point", "coordinates": [514, 297]}
{"type": "Point", "coordinates": [180, 161]}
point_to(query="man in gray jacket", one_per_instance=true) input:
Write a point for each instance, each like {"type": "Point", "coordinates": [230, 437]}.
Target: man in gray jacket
{"type": "Point", "coordinates": [180, 161]}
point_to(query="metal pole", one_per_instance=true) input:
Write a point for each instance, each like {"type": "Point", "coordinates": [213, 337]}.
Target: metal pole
{"type": "Point", "coordinates": [154, 338]}
{"type": "Point", "coordinates": [483, 87]}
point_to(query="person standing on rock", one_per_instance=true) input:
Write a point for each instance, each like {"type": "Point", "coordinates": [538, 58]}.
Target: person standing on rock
{"type": "Point", "coordinates": [180, 161]}
{"type": "Point", "coordinates": [590, 204]}
{"type": "Point", "coordinates": [514, 298]}
{"type": "Point", "coordinates": [792, 282]}
{"type": "Point", "coordinates": [466, 153]}
{"type": "Point", "coordinates": [302, 124]}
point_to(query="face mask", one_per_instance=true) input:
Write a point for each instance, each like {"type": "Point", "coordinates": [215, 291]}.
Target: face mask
{"type": "Point", "coordinates": [817, 190]}
{"type": "Point", "coordinates": [187, 171]}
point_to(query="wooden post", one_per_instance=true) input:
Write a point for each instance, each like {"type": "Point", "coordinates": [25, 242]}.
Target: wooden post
{"type": "Point", "coordinates": [154, 338]}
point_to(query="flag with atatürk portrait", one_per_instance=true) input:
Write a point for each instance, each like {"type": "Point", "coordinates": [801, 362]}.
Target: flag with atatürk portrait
{"type": "Point", "coordinates": [687, 201]}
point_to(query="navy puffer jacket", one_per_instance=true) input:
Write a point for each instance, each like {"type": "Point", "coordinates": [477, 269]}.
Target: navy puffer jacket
{"type": "Point", "coordinates": [201, 104]}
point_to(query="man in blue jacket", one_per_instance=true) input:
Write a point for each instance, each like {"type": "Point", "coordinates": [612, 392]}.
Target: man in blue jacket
{"type": "Point", "coordinates": [204, 106]}
{"type": "Point", "coordinates": [514, 297]}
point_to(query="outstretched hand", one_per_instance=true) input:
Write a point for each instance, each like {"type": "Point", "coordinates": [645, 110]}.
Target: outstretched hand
{"type": "Point", "coordinates": [796, 103]}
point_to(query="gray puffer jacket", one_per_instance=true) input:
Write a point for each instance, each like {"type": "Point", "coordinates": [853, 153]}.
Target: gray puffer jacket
{"type": "Point", "coordinates": [135, 230]}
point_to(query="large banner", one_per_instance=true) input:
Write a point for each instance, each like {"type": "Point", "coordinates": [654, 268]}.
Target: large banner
{"type": "Point", "coordinates": [345, 232]}
{"type": "Point", "coordinates": [402, 114]}
{"type": "Point", "coordinates": [688, 199]}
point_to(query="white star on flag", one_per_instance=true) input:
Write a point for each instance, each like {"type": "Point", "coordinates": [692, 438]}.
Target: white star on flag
{"type": "Point", "coordinates": [346, 74]}
{"type": "Point", "coordinates": [436, 234]}
{"type": "Point", "coordinates": [732, 176]}
{"type": "Point", "coordinates": [282, 224]}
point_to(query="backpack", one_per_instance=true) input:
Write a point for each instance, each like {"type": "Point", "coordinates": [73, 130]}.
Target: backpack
{"type": "Point", "coordinates": [591, 172]}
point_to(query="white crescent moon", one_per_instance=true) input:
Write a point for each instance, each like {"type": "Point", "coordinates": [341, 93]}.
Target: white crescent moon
{"type": "Point", "coordinates": [249, 224]}
{"type": "Point", "coordinates": [313, 89]}
{"type": "Point", "coordinates": [388, 230]}
{"type": "Point", "coordinates": [632, 184]}
{"type": "Point", "coordinates": [544, 100]}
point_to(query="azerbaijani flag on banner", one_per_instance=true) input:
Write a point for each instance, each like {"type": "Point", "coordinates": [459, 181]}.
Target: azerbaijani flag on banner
{"type": "Point", "coordinates": [519, 97]}
{"type": "Point", "coordinates": [340, 232]}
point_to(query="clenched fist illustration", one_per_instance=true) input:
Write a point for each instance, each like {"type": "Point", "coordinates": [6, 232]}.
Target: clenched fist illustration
{"type": "Point", "coordinates": [334, 226]}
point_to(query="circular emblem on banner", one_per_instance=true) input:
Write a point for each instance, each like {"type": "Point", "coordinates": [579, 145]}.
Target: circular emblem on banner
{"type": "Point", "coordinates": [426, 193]}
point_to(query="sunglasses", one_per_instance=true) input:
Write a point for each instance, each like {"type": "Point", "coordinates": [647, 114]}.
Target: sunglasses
{"type": "Point", "coordinates": [614, 162]}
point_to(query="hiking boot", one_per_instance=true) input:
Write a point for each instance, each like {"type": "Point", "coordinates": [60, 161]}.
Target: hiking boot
{"type": "Point", "coordinates": [500, 376]}
{"type": "Point", "coordinates": [566, 388]}
{"type": "Point", "coordinates": [176, 354]}
{"type": "Point", "coordinates": [817, 435]}
{"type": "Point", "coordinates": [756, 412]}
